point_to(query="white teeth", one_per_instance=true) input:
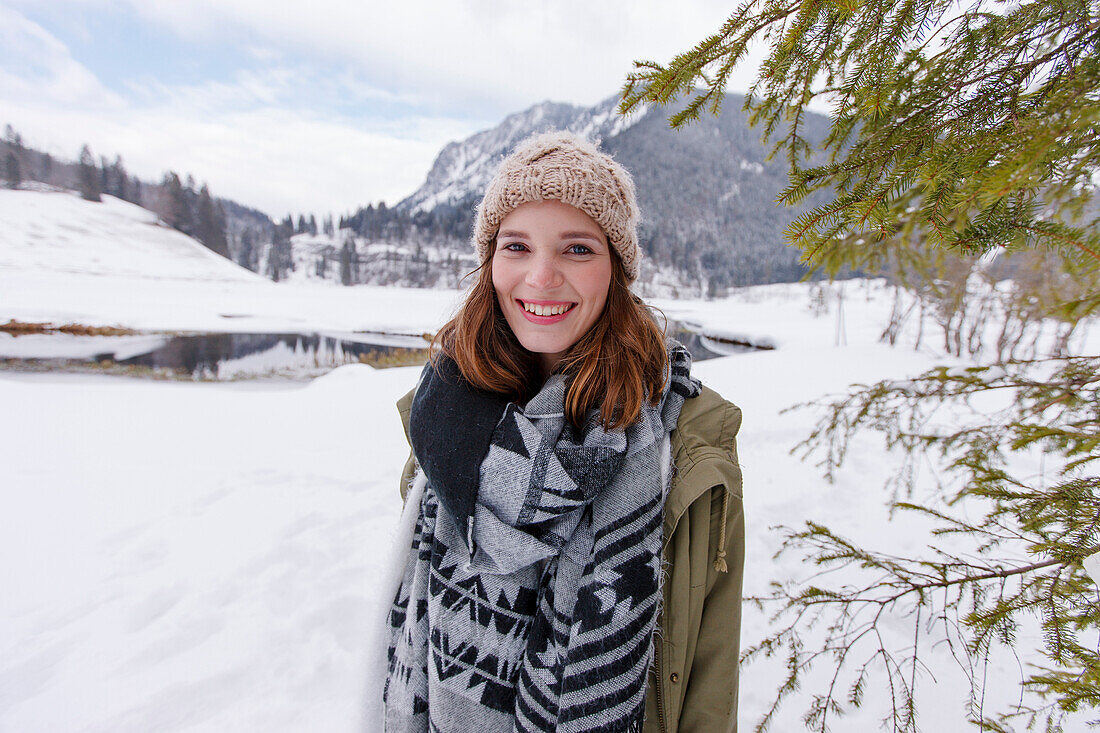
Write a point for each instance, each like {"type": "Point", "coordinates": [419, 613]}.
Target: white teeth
{"type": "Point", "coordinates": [545, 310]}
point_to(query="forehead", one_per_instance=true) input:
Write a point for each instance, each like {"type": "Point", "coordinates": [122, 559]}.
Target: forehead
{"type": "Point", "coordinates": [551, 217]}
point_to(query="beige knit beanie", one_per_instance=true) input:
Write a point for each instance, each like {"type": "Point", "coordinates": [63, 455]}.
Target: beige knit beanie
{"type": "Point", "coordinates": [568, 168]}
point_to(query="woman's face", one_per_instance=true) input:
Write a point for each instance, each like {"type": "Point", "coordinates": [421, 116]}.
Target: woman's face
{"type": "Point", "coordinates": [551, 271]}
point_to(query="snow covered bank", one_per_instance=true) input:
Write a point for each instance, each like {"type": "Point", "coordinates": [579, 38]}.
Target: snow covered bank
{"type": "Point", "coordinates": [202, 557]}
{"type": "Point", "coordinates": [191, 557]}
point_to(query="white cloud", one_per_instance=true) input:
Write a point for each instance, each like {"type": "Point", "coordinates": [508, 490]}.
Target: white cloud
{"type": "Point", "coordinates": [272, 158]}
{"type": "Point", "coordinates": [345, 102]}
{"type": "Point", "coordinates": [462, 55]}
{"type": "Point", "coordinates": [36, 66]}
{"type": "Point", "coordinates": [244, 136]}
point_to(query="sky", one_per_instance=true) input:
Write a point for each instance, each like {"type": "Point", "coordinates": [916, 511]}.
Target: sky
{"type": "Point", "coordinates": [316, 107]}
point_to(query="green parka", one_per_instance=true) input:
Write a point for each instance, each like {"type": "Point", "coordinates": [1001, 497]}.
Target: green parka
{"type": "Point", "coordinates": [692, 684]}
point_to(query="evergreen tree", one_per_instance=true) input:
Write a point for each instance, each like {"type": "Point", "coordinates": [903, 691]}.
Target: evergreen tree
{"type": "Point", "coordinates": [347, 253]}
{"type": "Point", "coordinates": [971, 128]}
{"type": "Point", "coordinates": [210, 223]}
{"type": "Point", "coordinates": [985, 131]}
{"type": "Point", "coordinates": [220, 227]}
{"type": "Point", "coordinates": [173, 205]}
{"type": "Point", "coordinates": [15, 157]}
{"type": "Point", "coordinates": [313, 225]}
{"type": "Point", "coordinates": [280, 259]}
{"type": "Point", "coordinates": [47, 167]}
{"type": "Point", "coordinates": [11, 170]}
{"type": "Point", "coordinates": [119, 182]}
{"type": "Point", "coordinates": [88, 176]}
{"type": "Point", "coordinates": [106, 185]}
{"type": "Point", "coordinates": [247, 254]}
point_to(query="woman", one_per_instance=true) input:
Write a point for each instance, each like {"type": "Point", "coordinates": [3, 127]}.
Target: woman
{"type": "Point", "coordinates": [562, 450]}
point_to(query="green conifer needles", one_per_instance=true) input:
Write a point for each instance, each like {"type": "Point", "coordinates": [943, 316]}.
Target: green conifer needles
{"type": "Point", "coordinates": [1007, 548]}
{"type": "Point", "coordinates": [957, 129]}
{"type": "Point", "coordinates": [986, 114]}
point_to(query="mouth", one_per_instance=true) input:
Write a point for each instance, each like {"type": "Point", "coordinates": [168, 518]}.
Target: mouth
{"type": "Point", "coordinates": [545, 308]}
{"type": "Point", "coordinates": [545, 312]}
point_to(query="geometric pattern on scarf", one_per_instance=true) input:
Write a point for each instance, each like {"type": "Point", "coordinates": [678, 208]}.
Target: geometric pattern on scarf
{"type": "Point", "coordinates": [546, 622]}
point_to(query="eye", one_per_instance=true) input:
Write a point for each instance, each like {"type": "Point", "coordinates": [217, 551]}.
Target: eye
{"type": "Point", "coordinates": [514, 246]}
{"type": "Point", "coordinates": [580, 249]}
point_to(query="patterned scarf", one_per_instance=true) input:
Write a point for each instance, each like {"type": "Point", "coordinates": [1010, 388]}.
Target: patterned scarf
{"type": "Point", "coordinates": [531, 590]}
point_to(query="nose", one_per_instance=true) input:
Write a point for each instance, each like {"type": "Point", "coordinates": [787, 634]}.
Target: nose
{"type": "Point", "coordinates": [544, 273]}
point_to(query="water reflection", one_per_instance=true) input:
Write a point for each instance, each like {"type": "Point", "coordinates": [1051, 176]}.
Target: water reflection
{"type": "Point", "coordinates": [225, 356]}
{"type": "Point", "coordinates": [219, 356]}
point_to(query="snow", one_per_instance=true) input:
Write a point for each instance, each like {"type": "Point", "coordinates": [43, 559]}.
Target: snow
{"type": "Point", "coordinates": [205, 557]}
{"type": "Point", "coordinates": [67, 346]}
{"type": "Point", "coordinates": [467, 166]}
{"type": "Point", "coordinates": [779, 316]}
{"type": "Point", "coordinates": [66, 260]}
{"type": "Point", "coordinates": [61, 233]}
{"type": "Point", "coordinates": [1092, 565]}
{"type": "Point", "coordinates": [189, 559]}
{"type": "Point", "coordinates": [201, 306]}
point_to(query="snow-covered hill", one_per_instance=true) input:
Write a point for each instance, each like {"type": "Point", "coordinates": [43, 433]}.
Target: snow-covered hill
{"type": "Point", "coordinates": [65, 260]}
{"type": "Point", "coordinates": [58, 231]}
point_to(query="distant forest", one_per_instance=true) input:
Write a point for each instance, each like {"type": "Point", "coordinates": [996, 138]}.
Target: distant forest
{"type": "Point", "coordinates": [245, 235]}
{"type": "Point", "coordinates": [180, 203]}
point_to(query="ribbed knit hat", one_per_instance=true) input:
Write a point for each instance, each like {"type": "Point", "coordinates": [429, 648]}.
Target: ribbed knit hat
{"type": "Point", "coordinates": [570, 169]}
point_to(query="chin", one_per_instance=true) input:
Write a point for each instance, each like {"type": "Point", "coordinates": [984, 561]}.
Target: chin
{"type": "Point", "coordinates": [543, 346]}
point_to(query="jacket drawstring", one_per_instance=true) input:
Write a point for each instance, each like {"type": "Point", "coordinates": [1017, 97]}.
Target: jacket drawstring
{"type": "Point", "coordinates": [720, 558]}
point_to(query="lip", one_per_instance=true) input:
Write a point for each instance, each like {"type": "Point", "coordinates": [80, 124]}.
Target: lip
{"type": "Point", "coordinates": [545, 320]}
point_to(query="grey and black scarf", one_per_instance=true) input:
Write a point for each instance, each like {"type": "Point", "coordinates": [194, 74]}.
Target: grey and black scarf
{"type": "Point", "coordinates": [532, 586]}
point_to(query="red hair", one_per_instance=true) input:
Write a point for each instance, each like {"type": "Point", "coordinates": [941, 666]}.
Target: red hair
{"type": "Point", "coordinates": [617, 365]}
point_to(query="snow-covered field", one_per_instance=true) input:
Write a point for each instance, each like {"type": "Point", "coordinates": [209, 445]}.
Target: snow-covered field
{"type": "Point", "coordinates": [203, 557]}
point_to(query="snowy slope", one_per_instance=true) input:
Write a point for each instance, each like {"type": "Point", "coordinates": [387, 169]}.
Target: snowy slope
{"type": "Point", "coordinates": [61, 232]}
{"type": "Point", "coordinates": [202, 557]}
{"type": "Point", "coordinates": [66, 260]}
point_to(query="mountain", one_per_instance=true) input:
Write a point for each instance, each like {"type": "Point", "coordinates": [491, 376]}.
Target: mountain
{"type": "Point", "coordinates": [462, 170]}
{"type": "Point", "coordinates": [706, 192]}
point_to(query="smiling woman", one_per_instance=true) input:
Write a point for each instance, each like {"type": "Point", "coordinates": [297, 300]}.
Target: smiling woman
{"type": "Point", "coordinates": [573, 537]}
{"type": "Point", "coordinates": [551, 272]}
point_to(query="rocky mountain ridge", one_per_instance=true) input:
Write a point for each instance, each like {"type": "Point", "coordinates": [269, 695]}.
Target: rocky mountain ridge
{"type": "Point", "coordinates": [463, 169]}
{"type": "Point", "coordinates": [707, 195]}
{"type": "Point", "coordinates": [707, 192]}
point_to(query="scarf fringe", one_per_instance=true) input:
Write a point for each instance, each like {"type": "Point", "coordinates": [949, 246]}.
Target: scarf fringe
{"type": "Point", "coordinates": [393, 571]}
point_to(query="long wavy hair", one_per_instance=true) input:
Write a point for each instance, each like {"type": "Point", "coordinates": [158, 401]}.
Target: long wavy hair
{"type": "Point", "coordinates": [619, 364]}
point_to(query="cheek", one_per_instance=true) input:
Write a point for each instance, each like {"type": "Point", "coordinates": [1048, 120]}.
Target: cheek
{"type": "Point", "coordinates": [596, 283]}
{"type": "Point", "coordinates": [499, 275]}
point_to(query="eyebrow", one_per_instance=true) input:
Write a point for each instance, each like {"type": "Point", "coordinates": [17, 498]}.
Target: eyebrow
{"type": "Point", "coordinates": [563, 235]}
